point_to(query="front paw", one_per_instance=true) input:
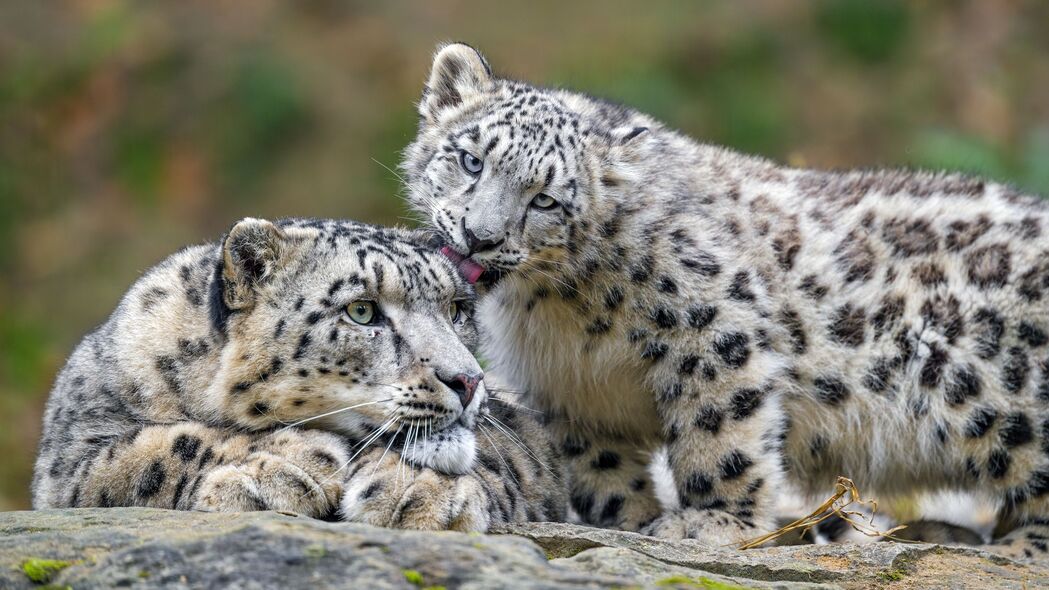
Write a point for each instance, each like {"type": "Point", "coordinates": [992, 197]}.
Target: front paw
{"type": "Point", "coordinates": [294, 472]}
{"type": "Point", "coordinates": [393, 494]}
{"type": "Point", "coordinates": [712, 527]}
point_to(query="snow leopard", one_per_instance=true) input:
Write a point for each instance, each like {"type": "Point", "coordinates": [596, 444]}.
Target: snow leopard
{"type": "Point", "coordinates": [322, 367]}
{"type": "Point", "coordinates": [768, 326]}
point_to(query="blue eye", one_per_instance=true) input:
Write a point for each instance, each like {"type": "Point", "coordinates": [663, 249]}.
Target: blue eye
{"type": "Point", "coordinates": [544, 201]}
{"type": "Point", "coordinates": [471, 163]}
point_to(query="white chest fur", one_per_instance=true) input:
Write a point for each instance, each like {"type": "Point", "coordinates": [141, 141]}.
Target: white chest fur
{"type": "Point", "coordinates": [545, 350]}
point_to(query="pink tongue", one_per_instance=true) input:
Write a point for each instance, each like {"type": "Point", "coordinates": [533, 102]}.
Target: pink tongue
{"type": "Point", "coordinates": [470, 270]}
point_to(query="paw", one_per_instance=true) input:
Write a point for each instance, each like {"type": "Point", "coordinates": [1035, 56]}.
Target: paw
{"type": "Point", "coordinates": [712, 527]}
{"type": "Point", "coordinates": [293, 471]}
{"type": "Point", "coordinates": [1025, 544]}
{"type": "Point", "coordinates": [935, 531]}
{"type": "Point", "coordinates": [390, 493]}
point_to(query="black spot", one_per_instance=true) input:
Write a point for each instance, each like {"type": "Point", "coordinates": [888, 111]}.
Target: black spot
{"type": "Point", "coordinates": [1032, 334]}
{"type": "Point", "coordinates": [152, 480]}
{"type": "Point", "coordinates": [734, 465]}
{"type": "Point", "coordinates": [667, 285]}
{"type": "Point", "coordinates": [371, 490]}
{"type": "Point", "coordinates": [745, 401]}
{"type": "Point", "coordinates": [654, 350]}
{"type": "Point", "coordinates": [740, 288]}
{"type": "Point", "coordinates": [709, 418]}
{"type": "Point", "coordinates": [688, 364]}
{"type": "Point", "coordinates": [599, 326]}
{"type": "Point", "coordinates": [313, 317]}
{"type": "Point", "coordinates": [304, 343]}
{"type": "Point", "coordinates": [260, 408]}
{"type": "Point", "coordinates": [941, 433]}
{"type": "Point", "coordinates": [830, 390]}
{"type": "Point", "coordinates": [703, 264]}
{"type": "Point", "coordinates": [700, 316]}
{"type": "Point", "coordinates": [990, 327]}
{"type": "Point", "coordinates": [664, 318]}
{"type": "Point", "coordinates": [610, 513]}
{"type": "Point", "coordinates": [887, 315]}
{"type": "Point", "coordinates": [671, 393]}
{"type": "Point", "coordinates": [998, 463]}
{"type": "Point", "coordinates": [642, 271]}
{"type": "Point", "coordinates": [582, 503]}
{"type": "Point", "coordinates": [1015, 369]}
{"type": "Point", "coordinates": [699, 484]}
{"type": "Point", "coordinates": [241, 386]}
{"type": "Point", "coordinates": [848, 326]}
{"type": "Point", "coordinates": [1015, 430]}
{"type": "Point", "coordinates": [186, 447]}
{"type": "Point", "coordinates": [792, 322]}
{"type": "Point", "coordinates": [964, 385]}
{"type": "Point", "coordinates": [932, 369]}
{"type": "Point", "coordinates": [606, 460]}
{"type": "Point", "coordinates": [732, 348]}
{"type": "Point", "coordinates": [205, 457]}
{"type": "Point", "coordinates": [877, 377]}
{"type": "Point", "coordinates": [980, 422]}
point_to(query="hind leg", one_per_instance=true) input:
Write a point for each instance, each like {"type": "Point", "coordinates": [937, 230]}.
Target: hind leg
{"type": "Point", "coordinates": [1029, 541]}
{"type": "Point", "coordinates": [1026, 501]}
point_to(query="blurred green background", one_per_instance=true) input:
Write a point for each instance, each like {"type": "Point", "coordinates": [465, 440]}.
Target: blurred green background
{"type": "Point", "coordinates": [128, 129]}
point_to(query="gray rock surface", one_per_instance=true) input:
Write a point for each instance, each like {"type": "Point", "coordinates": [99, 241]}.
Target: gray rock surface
{"type": "Point", "coordinates": [144, 548]}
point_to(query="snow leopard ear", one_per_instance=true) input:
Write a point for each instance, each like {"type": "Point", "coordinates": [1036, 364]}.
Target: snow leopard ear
{"type": "Point", "coordinates": [251, 251]}
{"type": "Point", "coordinates": [458, 73]}
{"type": "Point", "coordinates": [620, 150]}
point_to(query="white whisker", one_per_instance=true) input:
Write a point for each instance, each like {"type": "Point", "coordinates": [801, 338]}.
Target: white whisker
{"type": "Point", "coordinates": [495, 448]}
{"type": "Point", "coordinates": [332, 413]}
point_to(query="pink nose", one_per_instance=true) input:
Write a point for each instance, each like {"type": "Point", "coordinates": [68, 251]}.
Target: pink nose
{"type": "Point", "coordinates": [464, 385]}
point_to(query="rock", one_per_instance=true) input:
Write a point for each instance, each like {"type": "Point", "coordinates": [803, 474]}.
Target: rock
{"type": "Point", "coordinates": [895, 565]}
{"type": "Point", "coordinates": [145, 548]}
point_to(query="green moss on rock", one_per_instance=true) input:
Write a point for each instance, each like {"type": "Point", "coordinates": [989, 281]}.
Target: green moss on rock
{"type": "Point", "coordinates": [41, 571]}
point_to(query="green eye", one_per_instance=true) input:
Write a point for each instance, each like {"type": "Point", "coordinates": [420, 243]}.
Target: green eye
{"type": "Point", "coordinates": [544, 201]}
{"type": "Point", "coordinates": [454, 311]}
{"type": "Point", "coordinates": [361, 312]}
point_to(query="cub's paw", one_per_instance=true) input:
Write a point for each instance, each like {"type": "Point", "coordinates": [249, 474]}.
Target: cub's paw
{"type": "Point", "coordinates": [935, 531]}
{"type": "Point", "coordinates": [712, 527]}
{"type": "Point", "coordinates": [293, 471]}
{"type": "Point", "coordinates": [1027, 543]}
{"type": "Point", "coordinates": [392, 494]}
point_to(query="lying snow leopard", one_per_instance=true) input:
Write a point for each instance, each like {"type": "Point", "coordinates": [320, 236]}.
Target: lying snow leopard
{"type": "Point", "coordinates": [762, 322]}
{"type": "Point", "coordinates": [192, 394]}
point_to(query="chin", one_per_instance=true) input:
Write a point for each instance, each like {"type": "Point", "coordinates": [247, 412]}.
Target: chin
{"type": "Point", "coordinates": [451, 451]}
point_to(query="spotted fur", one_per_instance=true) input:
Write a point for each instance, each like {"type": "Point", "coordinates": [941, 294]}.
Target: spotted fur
{"type": "Point", "coordinates": [764, 323]}
{"type": "Point", "coordinates": [184, 397]}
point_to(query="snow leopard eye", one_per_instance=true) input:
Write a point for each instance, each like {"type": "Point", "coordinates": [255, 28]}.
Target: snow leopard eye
{"type": "Point", "coordinates": [471, 163]}
{"type": "Point", "coordinates": [361, 312]}
{"type": "Point", "coordinates": [455, 312]}
{"type": "Point", "coordinates": [544, 201]}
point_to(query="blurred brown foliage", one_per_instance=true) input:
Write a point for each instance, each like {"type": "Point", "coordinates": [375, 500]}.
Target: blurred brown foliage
{"type": "Point", "coordinates": [128, 129]}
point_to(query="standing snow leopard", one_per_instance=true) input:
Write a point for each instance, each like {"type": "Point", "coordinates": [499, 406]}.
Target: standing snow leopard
{"type": "Point", "coordinates": [192, 394]}
{"type": "Point", "coordinates": [763, 323]}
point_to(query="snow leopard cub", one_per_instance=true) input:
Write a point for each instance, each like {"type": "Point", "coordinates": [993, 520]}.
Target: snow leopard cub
{"type": "Point", "coordinates": [765, 324]}
{"type": "Point", "coordinates": [290, 367]}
